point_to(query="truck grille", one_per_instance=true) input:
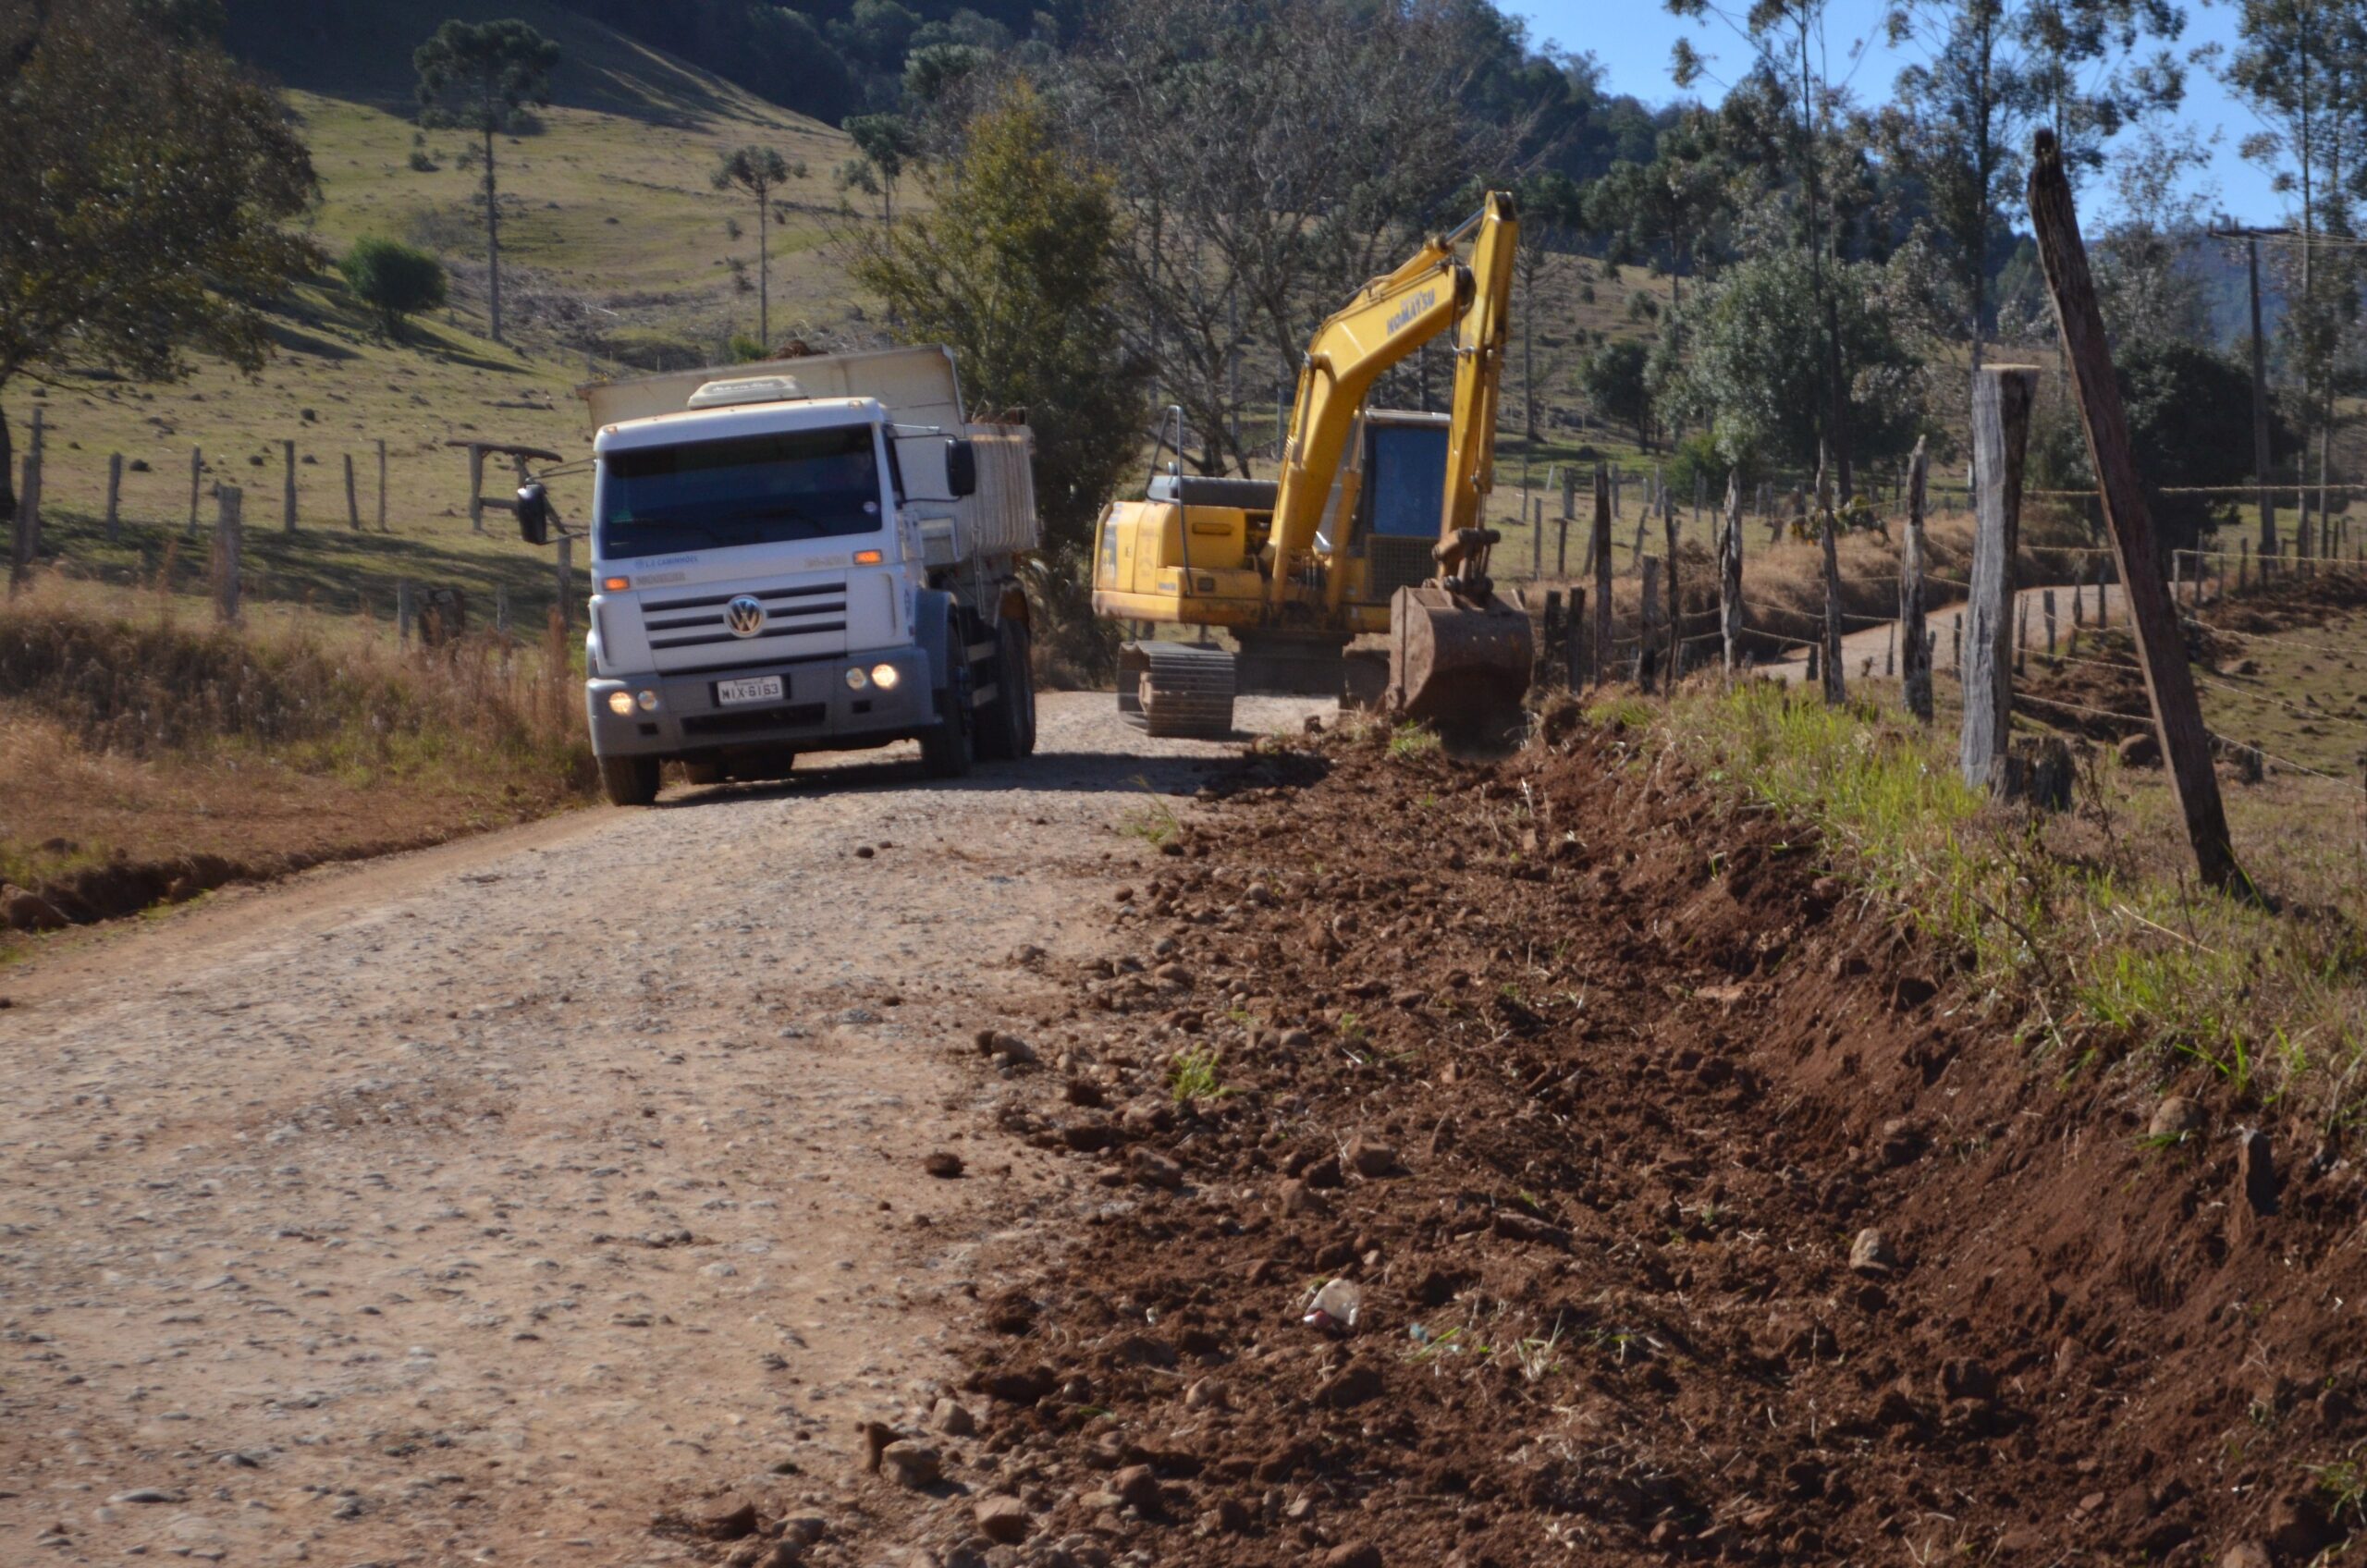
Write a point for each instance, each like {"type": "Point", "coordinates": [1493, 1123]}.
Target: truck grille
{"type": "Point", "coordinates": [747, 722]}
{"type": "Point", "coordinates": [704, 619]}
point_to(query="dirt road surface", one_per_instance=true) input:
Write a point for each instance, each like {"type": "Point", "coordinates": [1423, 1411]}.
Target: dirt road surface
{"type": "Point", "coordinates": [481, 1205]}
{"type": "Point", "coordinates": [1869, 651]}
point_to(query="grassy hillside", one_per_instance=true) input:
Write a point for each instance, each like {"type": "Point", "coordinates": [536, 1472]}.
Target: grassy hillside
{"type": "Point", "coordinates": [615, 247]}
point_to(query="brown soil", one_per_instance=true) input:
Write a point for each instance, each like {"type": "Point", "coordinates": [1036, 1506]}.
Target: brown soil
{"type": "Point", "coordinates": [1591, 1084]}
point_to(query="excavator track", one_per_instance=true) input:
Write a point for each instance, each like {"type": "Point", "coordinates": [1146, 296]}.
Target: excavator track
{"type": "Point", "coordinates": [1173, 689]}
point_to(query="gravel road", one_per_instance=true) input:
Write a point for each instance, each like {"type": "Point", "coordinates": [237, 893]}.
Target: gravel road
{"type": "Point", "coordinates": [480, 1205]}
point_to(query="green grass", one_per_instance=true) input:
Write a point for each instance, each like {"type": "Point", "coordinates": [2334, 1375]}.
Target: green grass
{"type": "Point", "coordinates": [1192, 1075]}
{"type": "Point", "coordinates": [2107, 949]}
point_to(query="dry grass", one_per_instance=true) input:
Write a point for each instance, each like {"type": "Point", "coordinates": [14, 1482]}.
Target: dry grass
{"type": "Point", "coordinates": [150, 736]}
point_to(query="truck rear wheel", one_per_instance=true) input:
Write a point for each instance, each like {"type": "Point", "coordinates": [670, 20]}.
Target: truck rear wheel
{"type": "Point", "coordinates": [629, 782]}
{"type": "Point", "coordinates": [1007, 727]}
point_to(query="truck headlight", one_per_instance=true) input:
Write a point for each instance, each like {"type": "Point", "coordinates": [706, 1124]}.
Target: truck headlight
{"type": "Point", "coordinates": [856, 680]}
{"type": "Point", "coordinates": [884, 675]}
{"type": "Point", "coordinates": [620, 704]}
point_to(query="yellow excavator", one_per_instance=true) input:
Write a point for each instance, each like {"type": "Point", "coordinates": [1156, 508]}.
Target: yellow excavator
{"type": "Point", "coordinates": [1373, 526]}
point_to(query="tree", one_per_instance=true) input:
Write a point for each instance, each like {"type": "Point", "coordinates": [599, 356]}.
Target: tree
{"type": "Point", "coordinates": [1011, 265]}
{"type": "Point", "coordinates": [481, 75]}
{"type": "Point", "coordinates": [2301, 66]}
{"type": "Point", "coordinates": [1992, 69]}
{"type": "Point", "coordinates": [759, 171]}
{"type": "Point", "coordinates": [1760, 344]}
{"type": "Point", "coordinates": [1613, 378]}
{"type": "Point", "coordinates": [147, 189]}
{"type": "Point", "coordinates": [1793, 95]}
{"type": "Point", "coordinates": [887, 143]}
{"type": "Point", "coordinates": [1273, 158]}
{"type": "Point", "coordinates": [395, 280]}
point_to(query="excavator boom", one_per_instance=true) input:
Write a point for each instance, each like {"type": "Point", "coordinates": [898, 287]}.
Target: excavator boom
{"type": "Point", "coordinates": [1390, 318]}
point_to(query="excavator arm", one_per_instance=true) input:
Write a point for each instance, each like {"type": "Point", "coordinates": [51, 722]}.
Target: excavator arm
{"type": "Point", "coordinates": [1390, 317]}
{"type": "Point", "coordinates": [1479, 344]}
{"type": "Point", "coordinates": [1459, 657]}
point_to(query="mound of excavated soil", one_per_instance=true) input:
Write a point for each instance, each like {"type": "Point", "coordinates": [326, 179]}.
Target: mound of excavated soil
{"type": "Point", "coordinates": [1697, 1215]}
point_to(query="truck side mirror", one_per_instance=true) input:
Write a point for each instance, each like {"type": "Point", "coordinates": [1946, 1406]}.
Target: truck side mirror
{"type": "Point", "coordinates": [961, 468]}
{"type": "Point", "coordinates": [534, 514]}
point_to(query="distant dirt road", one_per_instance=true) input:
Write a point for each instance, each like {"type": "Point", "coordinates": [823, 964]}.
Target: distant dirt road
{"type": "Point", "coordinates": [479, 1205]}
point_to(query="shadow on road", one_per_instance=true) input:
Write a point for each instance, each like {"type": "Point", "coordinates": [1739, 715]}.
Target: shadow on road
{"type": "Point", "coordinates": [1081, 773]}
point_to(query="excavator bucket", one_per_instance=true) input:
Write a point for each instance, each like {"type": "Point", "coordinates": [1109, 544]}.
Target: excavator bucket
{"type": "Point", "coordinates": [1458, 663]}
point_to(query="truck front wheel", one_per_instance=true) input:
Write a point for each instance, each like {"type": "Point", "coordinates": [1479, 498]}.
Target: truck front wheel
{"type": "Point", "coordinates": [946, 751]}
{"type": "Point", "coordinates": [629, 782]}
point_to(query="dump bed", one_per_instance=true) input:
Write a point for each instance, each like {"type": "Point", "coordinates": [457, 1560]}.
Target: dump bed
{"type": "Point", "coordinates": [919, 389]}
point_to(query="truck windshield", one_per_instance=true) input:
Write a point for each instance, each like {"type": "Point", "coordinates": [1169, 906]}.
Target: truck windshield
{"type": "Point", "coordinates": [745, 490]}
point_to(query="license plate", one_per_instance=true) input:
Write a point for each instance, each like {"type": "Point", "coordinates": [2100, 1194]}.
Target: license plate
{"type": "Point", "coordinates": [754, 689]}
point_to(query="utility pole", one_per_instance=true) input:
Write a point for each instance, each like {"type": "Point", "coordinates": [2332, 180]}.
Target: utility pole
{"type": "Point", "coordinates": [2267, 496]}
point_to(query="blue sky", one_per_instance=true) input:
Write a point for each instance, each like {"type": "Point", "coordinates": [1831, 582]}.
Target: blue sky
{"type": "Point", "coordinates": [1634, 50]}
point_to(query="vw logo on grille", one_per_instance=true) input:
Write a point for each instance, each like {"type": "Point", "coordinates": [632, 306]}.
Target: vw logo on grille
{"type": "Point", "coordinates": [745, 616]}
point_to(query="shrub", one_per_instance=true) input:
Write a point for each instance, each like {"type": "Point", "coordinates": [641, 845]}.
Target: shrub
{"type": "Point", "coordinates": [395, 280]}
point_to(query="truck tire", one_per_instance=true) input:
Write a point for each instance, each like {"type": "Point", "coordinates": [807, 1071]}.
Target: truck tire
{"type": "Point", "coordinates": [1023, 661]}
{"type": "Point", "coordinates": [629, 782]}
{"type": "Point", "coordinates": [1007, 726]}
{"type": "Point", "coordinates": [947, 750]}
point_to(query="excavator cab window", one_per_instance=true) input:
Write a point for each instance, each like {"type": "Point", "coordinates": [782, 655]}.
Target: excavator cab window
{"type": "Point", "coordinates": [1405, 476]}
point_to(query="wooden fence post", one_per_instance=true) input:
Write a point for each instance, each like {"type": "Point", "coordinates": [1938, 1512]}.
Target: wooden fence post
{"type": "Point", "coordinates": [1917, 675]}
{"type": "Point", "coordinates": [1552, 656]}
{"type": "Point", "coordinates": [196, 467]}
{"type": "Point", "coordinates": [2022, 633]}
{"type": "Point", "coordinates": [476, 488]}
{"type": "Point", "coordinates": [1569, 494]}
{"type": "Point", "coordinates": [287, 506]}
{"type": "Point", "coordinates": [2178, 714]}
{"type": "Point", "coordinates": [565, 562]}
{"type": "Point", "coordinates": [115, 496]}
{"type": "Point", "coordinates": [352, 501]}
{"type": "Point", "coordinates": [2049, 601]}
{"type": "Point", "coordinates": [382, 485]}
{"type": "Point", "coordinates": [229, 539]}
{"type": "Point", "coordinates": [1730, 577]}
{"type": "Point", "coordinates": [28, 539]}
{"type": "Point", "coordinates": [2001, 427]}
{"type": "Point", "coordinates": [501, 609]}
{"type": "Point", "coordinates": [1535, 518]}
{"type": "Point", "coordinates": [1836, 688]}
{"type": "Point", "coordinates": [1601, 550]}
{"type": "Point", "coordinates": [1676, 613]}
{"type": "Point", "coordinates": [1647, 629]}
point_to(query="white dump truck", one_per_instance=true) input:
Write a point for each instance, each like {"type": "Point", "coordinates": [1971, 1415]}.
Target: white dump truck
{"type": "Point", "coordinates": [817, 554]}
